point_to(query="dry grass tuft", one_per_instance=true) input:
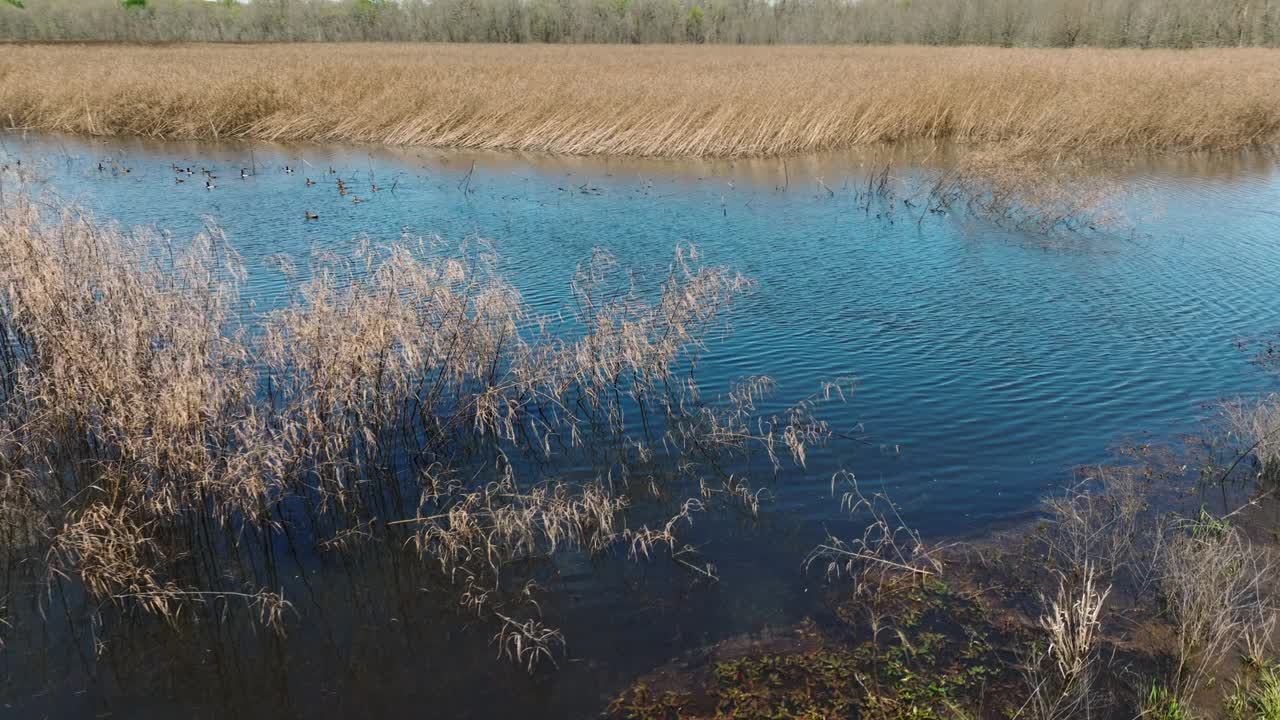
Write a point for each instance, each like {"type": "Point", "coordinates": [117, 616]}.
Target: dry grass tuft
{"type": "Point", "coordinates": [887, 552]}
{"type": "Point", "coordinates": [1212, 587]}
{"type": "Point", "coordinates": [1098, 528]}
{"type": "Point", "coordinates": [680, 101]}
{"type": "Point", "coordinates": [1060, 677]}
{"type": "Point", "coordinates": [1255, 425]}
{"type": "Point", "coordinates": [1072, 623]}
{"type": "Point", "coordinates": [1219, 595]}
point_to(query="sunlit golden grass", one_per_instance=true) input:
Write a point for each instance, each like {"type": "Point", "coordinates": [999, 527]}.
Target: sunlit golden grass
{"type": "Point", "coordinates": [648, 100]}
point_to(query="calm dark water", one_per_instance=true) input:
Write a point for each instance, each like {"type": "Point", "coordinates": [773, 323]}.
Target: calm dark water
{"type": "Point", "coordinates": [989, 363]}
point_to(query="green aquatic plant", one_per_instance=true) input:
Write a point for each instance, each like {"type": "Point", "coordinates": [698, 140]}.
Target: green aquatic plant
{"type": "Point", "coordinates": [1257, 697]}
{"type": "Point", "coordinates": [1161, 704]}
{"type": "Point", "coordinates": [1206, 526]}
{"type": "Point", "coordinates": [939, 666]}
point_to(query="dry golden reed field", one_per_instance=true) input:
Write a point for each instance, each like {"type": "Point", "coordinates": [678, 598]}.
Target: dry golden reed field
{"type": "Point", "coordinates": [649, 100]}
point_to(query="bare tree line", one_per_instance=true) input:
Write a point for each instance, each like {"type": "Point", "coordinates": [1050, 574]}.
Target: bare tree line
{"type": "Point", "coordinates": [1041, 23]}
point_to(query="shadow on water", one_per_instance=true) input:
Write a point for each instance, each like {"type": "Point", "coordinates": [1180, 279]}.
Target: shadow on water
{"type": "Point", "coordinates": [988, 366]}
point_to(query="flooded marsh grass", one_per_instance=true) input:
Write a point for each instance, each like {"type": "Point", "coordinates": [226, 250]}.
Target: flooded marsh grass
{"type": "Point", "coordinates": [147, 428]}
{"type": "Point", "coordinates": [676, 101]}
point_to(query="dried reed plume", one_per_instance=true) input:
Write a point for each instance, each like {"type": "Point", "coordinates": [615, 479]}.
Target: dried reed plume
{"type": "Point", "coordinates": [887, 550]}
{"type": "Point", "coordinates": [1072, 622]}
{"type": "Point", "coordinates": [682, 101]}
{"type": "Point", "coordinates": [1060, 677]}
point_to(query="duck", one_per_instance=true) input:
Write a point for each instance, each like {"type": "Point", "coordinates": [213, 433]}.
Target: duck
{"type": "Point", "coordinates": [189, 172]}
{"type": "Point", "coordinates": [374, 188]}
{"type": "Point", "coordinates": [178, 181]}
{"type": "Point", "coordinates": [356, 200]}
{"type": "Point", "coordinates": [288, 170]}
{"type": "Point", "coordinates": [243, 175]}
{"type": "Point", "coordinates": [208, 185]}
{"type": "Point", "coordinates": [310, 182]}
{"type": "Point", "coordinates": [310, 215]}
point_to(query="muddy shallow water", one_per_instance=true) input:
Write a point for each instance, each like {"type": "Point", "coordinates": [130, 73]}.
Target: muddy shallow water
{"type": "Point", "coordinates": [989, 363]}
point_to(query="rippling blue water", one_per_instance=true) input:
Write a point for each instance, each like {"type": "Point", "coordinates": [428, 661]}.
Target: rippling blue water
{"type": "Point", "coordinates": [989, 363]}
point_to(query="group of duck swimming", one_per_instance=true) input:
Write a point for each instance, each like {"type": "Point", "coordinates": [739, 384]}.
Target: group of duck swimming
{"type": "Point", "coordinates": [343, 188]}
{"type": "Point", "coordinates": [209, 177]}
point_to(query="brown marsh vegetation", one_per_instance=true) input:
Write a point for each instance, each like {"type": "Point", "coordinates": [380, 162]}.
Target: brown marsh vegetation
{"type": "Point", "coordinates": [677, 101]}
{"type": "Point", "coordinates": [150, 422]}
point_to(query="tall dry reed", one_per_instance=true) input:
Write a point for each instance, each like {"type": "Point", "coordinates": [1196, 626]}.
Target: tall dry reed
{"type": "Point", "coordinates": [669, 101]}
